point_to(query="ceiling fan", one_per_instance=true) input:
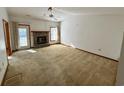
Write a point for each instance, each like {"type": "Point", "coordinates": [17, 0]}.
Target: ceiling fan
{"type": "Point", "coordinates": [51, 13]}
{"type": "Point", "coordinates": [54, 13]}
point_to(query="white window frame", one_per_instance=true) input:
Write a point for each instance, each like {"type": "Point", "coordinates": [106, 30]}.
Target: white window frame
{"type": "Point", "coordinates": [56, 37]}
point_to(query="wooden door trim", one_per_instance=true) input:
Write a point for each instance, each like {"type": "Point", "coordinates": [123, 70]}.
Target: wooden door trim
{"type": "Point", "coordinates": [7, 36]}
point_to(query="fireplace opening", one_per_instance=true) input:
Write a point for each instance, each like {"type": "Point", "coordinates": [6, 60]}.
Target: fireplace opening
{"type": "Point", "coordinates": [41, 40]}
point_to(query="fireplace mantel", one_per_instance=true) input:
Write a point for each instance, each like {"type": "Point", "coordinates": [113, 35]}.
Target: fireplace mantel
{"type": "Point", "coordinates": [40, 31]}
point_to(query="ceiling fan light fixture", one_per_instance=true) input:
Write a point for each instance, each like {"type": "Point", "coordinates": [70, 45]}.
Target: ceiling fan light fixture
{"type": "Point", "coordinates": [51, 15]}
{"type": "Point", "coordinates": [50, 10]}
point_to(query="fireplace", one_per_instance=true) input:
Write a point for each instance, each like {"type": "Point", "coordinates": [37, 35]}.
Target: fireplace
{"type": "Point", "coordinates": [40, 38]}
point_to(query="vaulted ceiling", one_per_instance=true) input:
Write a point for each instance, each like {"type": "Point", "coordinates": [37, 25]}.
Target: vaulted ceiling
{"type": "Point", "coordinates": [61, 12]}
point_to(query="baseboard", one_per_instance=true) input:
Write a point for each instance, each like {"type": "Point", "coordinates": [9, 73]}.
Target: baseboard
{"type": "Point", "coordinates": [55, 43]}
{"type": "Point", "coordinates": [91, 53]}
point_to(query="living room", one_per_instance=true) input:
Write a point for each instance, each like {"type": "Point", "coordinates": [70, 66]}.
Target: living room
{"type": "Point", "coordinates": [61, 46]}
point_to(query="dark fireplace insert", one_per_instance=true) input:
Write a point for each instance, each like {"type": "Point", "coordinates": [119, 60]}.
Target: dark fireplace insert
{"type": "Point", "coordinates": [41, 39]}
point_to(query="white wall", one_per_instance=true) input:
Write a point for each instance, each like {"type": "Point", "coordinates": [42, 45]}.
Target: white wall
{"type": "Point", "coordinates": [36, 25]}
{"type": "Point", "coordinates": [100, 34]}
{"type": "Point", "coordinates": [3, 56]}
{"type": "Point", "coordinates": [120, 72]}
{"type": "Point", "coordinates": [3, 13]}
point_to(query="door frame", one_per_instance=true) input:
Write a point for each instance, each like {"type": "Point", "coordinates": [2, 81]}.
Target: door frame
{"type": "Point", "coordinates": [7, 37]}
{"type": "Point", "coordinates": [29, 33]}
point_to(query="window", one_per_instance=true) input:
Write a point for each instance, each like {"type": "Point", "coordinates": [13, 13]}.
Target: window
{"type": "Point", "coordinates": [54, 34]}
{"type": "Point", "coordinates": [22, 36]}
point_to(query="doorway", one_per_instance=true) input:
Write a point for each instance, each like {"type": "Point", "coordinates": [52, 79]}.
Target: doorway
{"type": "Point", "coordinates": [23, 32]}
{"type": "Point", "coordinates": [7, 37]}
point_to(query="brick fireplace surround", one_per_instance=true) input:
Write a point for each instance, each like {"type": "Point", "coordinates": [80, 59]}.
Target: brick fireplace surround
{"type": "Point", "coordinates": [40, 38]}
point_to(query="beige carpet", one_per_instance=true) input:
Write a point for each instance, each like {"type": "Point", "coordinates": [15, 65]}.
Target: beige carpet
{"type": "Point", "coordinates": [59, 65]}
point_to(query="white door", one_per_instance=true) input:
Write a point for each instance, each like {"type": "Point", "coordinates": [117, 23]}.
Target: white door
{"type": "Point", "coordinates": [23, 37]}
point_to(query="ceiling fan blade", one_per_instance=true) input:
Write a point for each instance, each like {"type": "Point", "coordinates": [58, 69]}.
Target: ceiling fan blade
{"type": "Point", "coordinates": [55, 18]}
{"type": "Point", "coordinates": [61, 10]}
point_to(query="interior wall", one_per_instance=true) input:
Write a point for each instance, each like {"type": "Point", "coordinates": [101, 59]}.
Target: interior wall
{"type": "Point", "coordinates": [35, 25]}
{"type": "Point", "coordinates": [120, 72]}
{"type": "Point", "coordinates": [3, 55]}
{"type": "Point", "coordinates": [99, 34]}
